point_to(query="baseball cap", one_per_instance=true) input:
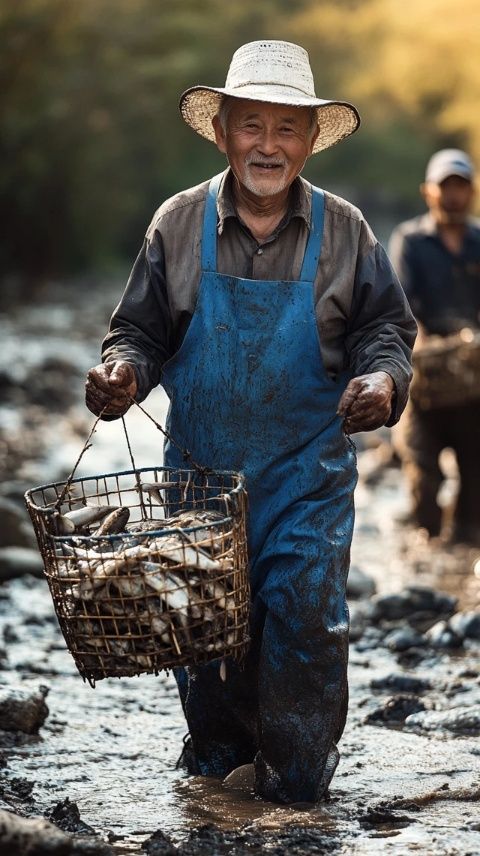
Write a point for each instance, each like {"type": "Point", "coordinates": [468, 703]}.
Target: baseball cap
{"type": "Point", "coordinates": [449, 162]}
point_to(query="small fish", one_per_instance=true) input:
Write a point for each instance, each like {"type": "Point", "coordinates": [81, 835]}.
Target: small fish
{"type": "Point", "coordinates": [132, 586]}
{"type": "Point", "coordinates": [175, 550]}
{"type": "Point", "coordinates": [120, 647]}
{"type": "Point", "coordinates": [65, 571]}
{"type": "Point", "coordinates": [160, 627]}
{"type": "Point", "coordinates": [197, 517]}
{"type": "Point", "coordinates": [223, 670]}
{"type": "Point", "coordinates": [202, 523]}
{"type": "Point", "coordinates": [88, 554]}
{"type": "Point", "coordinates": [221, 598]}
{"type": "Point", "coordinates": [153, 490]}
{"type": "Point", "coordinates": [76, 519]}
{"type": "Point", "coordinates": [170, 588]}
{"type": "Point", "coordinates": [113, 522]}
{"type": "Point", "coordinates": [144, 661]}
{"type": "Point", "coordinates": [60, 524]}
{"type": "Point", "coordinates": [219, 644]}
{"type": "Point", "coordinates": [147, 526]}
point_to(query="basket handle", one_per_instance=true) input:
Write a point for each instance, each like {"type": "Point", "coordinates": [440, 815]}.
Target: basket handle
{"type": "Point", "coordinates": [186, 454]}
{"type": "Point", "coordinates": [202, 471]}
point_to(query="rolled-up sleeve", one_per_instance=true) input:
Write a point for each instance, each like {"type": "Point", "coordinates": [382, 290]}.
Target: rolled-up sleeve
{"type": "Point", "coordinates": [381, 329]}
{"type": "Point", "coordinates": [140, 330]}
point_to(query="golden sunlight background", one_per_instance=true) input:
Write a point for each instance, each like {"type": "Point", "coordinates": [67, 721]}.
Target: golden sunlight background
{"type": "Point", "coordinates": [91, 140]}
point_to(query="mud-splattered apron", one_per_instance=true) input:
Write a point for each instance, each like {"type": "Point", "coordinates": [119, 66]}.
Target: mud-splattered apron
{"type": "Point", "coordinates": [249, 392]}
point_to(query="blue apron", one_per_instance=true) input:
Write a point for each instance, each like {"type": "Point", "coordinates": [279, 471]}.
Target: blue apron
{"type": "Point", "coordinates": [249, 392]}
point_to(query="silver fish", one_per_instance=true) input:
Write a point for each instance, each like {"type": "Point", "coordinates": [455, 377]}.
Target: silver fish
{"type": "Point", "coordinates": [175, 550]}
{"type": "Point", "coordinates": [216, 591]}
{"type": "Point", "coordinates": [76, 519]}
{"type": "Point", "coordinates": [204, 519]}
{"type": "Point", "coordinates": [197, 516]}
{"type": "Point", "coordinates": [153, 491]}
{"type": "Point", "coordinates": [169, 588]}
{"type": "Point", "coordinates": [113, 522]}
{"type": "Point", "coordinates": [60, 524]}
{"type": "Point", "coordinates": [146, 526]}
{"type": "Point", "coordinates": [120, 646]}
{"type": "Point", "coordinates": [144, 661]}
{"type": "Point", "coordinates": [219, 645]}
{"type": "Point", "coordinates": [127, 586]}
{"type": "Point", "coordinates": [89, 554]}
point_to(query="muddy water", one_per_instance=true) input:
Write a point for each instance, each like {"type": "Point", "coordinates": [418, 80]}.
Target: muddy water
{"type": "Point", "coordinates": [112, 750]}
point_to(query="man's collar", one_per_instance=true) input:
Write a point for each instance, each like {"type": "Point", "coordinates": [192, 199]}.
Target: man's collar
{"type": "Point", "coordinates": [427, 225]}
{"type": "Point", "coordinates": [300, 200]}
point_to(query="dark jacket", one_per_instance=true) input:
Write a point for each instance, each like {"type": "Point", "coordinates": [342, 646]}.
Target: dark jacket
{"type": "Point", "coordinates": [364, 321]}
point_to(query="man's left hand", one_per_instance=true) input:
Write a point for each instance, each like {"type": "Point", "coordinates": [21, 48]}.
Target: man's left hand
{"type": "Point", "coordinates": [367, 402]}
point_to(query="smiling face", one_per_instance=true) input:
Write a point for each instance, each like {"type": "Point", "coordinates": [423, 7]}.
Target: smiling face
{"type": "Point", "coordinates": [266, 144]}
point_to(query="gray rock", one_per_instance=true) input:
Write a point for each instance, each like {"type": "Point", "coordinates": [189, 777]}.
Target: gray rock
{"type": "Point", "coordinates": [20, 836]}
{"type": "Point", "coordinates": [396, 709]}
{"type": "Point", "coordinates": [413, 600]}
{"type": "Point", "coordinates": [17, 561]}
{"type": "Point", "coordinates": [65, 815]}
{"type": "Point", "coordinates": [403, 639]}
{"type": "Point", "coordinates": [16, 529]}
{"type": "Point", "coordinates": [466, 624]}
{"type": "Point", "coordinates": [21, 710]}
{"type": "Point", "coordinates": [23, 837]}
{"type": "Point", "coordinates": [441, 635]}
{"type": "Point", "coordinates": [358, 623]}
{"type": "Point", "coordinates": [460, 720]}
{"type": "Point", "coordinates": [159, 845]}
{"type": "Point", "coordinates": [372, 638]}
{"type": "Point", "coordinates": [402, 682]}
{"type": "Point", "coordinates": [359, 584]}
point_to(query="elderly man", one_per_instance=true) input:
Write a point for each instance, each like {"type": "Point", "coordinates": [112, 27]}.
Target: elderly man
{"type": "Point", "coordinates": [273, 319]}
{"type": "Point", "coordinates": [437, 257]}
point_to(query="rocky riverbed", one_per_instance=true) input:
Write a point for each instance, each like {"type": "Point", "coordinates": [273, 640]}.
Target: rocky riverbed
{"type": "Point", "coordinates": [93, 771]}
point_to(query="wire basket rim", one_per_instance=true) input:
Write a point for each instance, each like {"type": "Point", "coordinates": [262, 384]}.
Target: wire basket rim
{"type": "Point", "coordinates": [51, 510]}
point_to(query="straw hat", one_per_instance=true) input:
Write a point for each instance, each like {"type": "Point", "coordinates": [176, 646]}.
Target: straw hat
{"type": "Point", "coordinates": [277, 73]}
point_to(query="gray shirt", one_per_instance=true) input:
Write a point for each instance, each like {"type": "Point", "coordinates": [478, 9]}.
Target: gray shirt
{"type": "Point", "coordinates": [364, 321]}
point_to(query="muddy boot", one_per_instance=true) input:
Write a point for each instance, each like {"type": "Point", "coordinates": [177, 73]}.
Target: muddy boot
{"type": "Point", "coordinates": [328, 771]}
{"type": "Point", "coordinates": [187, 759]}
{"type": "Point", "coordinates": [268, 783]}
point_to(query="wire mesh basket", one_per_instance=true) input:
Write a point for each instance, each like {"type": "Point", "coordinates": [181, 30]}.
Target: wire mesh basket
{"type": "Point", "coordinates": [147, 568]}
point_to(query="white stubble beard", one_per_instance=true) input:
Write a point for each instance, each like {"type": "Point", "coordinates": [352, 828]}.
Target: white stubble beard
{"type": "Point", "coordinates": [255, 185]}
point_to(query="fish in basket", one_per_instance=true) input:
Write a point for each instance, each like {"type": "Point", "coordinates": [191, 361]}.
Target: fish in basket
{"type": "Point", "coordinates": [147, 568]}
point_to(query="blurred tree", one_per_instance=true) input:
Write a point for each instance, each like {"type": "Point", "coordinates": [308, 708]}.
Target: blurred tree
{"type": "Point", "coordinates": [91, 141]}
{"type": "Point", "coordinates": [412, 67]}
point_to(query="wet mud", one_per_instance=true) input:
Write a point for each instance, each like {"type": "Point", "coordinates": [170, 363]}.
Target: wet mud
{"type": "Point", "coordinates": [93, 770]}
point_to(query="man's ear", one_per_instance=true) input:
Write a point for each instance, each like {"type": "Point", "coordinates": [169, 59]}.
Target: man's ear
{"type": "Point", "coordinates": [219, 134]}
{"type": "Point", "coordinates": [423, 190]}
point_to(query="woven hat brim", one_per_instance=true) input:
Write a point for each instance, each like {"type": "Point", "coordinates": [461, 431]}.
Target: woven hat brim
{"type": "Point", "coordinates": [336, 119]}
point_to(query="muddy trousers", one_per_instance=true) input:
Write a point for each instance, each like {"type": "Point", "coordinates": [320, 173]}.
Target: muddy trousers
{"type": "Point", "coordinates": [286, 708]}
{"type": "Point", "coordinates": [420, 437]}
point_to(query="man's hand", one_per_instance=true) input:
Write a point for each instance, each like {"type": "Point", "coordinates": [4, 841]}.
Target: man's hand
{"type": "Point", "coordinates": [367, 402]}
{"type": "Point", "coordinates": [109, 386]}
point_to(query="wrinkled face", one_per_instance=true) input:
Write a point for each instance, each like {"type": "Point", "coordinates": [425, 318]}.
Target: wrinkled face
{"type": "Point", "coordinates": [451, 200]}
{"type": "Point", "coordinates": [266, 144]}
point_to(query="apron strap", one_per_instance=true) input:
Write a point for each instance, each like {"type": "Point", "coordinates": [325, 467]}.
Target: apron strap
{"type": "Point", "coordinates": [312, 250]}
{"type": "Point", "coordinates": [209, 236]}
{"type": "Point", "coordinates": [315, 239]}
